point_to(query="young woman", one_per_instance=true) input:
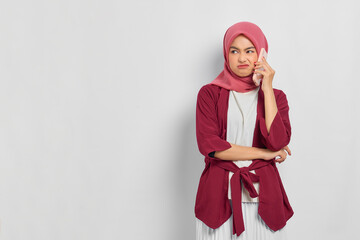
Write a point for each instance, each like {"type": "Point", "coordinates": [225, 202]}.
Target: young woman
{"type": "Point", "coordinates": [243, 130]}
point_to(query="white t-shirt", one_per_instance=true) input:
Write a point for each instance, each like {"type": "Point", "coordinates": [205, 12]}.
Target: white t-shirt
{"type": "Point", "coordinates": [241, 119]}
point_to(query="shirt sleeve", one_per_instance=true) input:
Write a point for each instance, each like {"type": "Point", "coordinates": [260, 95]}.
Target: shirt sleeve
{"type": "Point", "coordinates": [280, 129]}
{"type": "Point", "coordinates": [207, 126]}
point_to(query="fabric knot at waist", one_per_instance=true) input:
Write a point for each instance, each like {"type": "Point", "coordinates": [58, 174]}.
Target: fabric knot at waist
{"type": "Point", "coordinates": [248, 178]}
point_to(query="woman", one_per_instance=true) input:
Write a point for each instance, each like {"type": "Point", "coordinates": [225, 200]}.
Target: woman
{"type": "Point", "coordinates": [243, 130]}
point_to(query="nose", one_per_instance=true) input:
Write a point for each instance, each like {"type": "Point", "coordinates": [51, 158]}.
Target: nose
{"type": "Point", "coordinates": [242, 58]}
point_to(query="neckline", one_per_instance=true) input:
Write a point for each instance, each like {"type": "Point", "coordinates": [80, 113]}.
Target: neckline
{"type": "Point", "coordinates": [247, 93]}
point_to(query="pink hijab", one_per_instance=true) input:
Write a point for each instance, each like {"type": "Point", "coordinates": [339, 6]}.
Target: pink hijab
{"type": "Point", "coordinates": [227, 78]}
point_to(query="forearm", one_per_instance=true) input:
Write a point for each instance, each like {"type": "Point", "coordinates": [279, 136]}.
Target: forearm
{"type": "Point", "coordinates": [270, 106]}
{"type": "Point", "coordinates": [237, 152]}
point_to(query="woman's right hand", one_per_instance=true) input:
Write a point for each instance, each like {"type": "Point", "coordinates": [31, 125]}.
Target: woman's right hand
{"type": "Point", "coordinates": [268, 154]}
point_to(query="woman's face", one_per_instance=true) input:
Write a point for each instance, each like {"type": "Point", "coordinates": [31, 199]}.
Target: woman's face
{"type": "Point", "coordinates": [242, 52]}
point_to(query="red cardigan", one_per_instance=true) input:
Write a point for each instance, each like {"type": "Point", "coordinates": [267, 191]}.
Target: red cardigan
{"type": "Point", "coordinates": [212, 205]}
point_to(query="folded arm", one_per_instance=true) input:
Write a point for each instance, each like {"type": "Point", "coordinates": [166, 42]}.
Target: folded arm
{"type": "Point", "coordinates": [237, 152]}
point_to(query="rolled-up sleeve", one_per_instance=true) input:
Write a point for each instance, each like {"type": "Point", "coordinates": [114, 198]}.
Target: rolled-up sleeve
{"type": "Point", "coordinates": [280, 129]}
{"type": "Point", "coordinates": [207, 127]}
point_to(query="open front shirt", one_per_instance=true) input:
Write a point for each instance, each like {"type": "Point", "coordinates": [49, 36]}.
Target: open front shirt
{"type": "Point", "coordinates": [212, 205]}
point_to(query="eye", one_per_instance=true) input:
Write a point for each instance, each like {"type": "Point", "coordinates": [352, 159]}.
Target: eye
{"type": "Point", "coordinates": [250, 51]}
{"type": "Point", "coordinates": [233, 51]}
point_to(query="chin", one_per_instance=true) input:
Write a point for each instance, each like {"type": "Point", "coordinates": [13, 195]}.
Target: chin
{"type": "Point", "coordinates": [243, 74]}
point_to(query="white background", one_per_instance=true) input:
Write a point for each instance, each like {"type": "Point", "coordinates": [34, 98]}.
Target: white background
{"type": "Point", "coordinates": [97, 104]}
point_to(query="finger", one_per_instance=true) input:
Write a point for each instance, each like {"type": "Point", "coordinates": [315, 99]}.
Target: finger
{"type": "Point", "coordinates": [285, 150]}
{"type": "Point", "coordinates": [280, 160]}
{"type": "Point", "coordinates": [280, 157]}
{"type": "Point", "coordinates": [264, 66]}
{"type": "Point", "coordinates": [260, 65]}
{"type": "Point", "coordinates": [284, 155]}
{"type": "Point", "coordinates": [260, 71]}
{"type": "Point", "coordinates": [288, 150]}
{"type": "Point", "coordinates": [260, 68]}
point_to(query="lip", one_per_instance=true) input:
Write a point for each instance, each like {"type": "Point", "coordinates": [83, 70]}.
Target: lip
{"type": "Point", "coordinates": [243, 66]}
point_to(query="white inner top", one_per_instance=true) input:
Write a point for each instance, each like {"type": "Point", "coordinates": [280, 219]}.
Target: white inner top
{"type": "Point", "coordinates": [241, 119]}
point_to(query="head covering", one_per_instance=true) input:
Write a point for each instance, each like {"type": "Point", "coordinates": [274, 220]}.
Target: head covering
{"type": "Point", "coordinates": [227, 78]}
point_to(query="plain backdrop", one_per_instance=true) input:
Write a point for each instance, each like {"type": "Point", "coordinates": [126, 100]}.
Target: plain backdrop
{"type": "Point", "coordinates": [97, 114]}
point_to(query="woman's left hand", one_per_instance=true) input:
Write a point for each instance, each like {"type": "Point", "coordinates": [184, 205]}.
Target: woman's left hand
{"type": "Point", "coordinates": [268, 73]}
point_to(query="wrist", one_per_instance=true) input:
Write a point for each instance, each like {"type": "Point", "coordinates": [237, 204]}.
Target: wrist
{"type": "Point", "coordinates": [266, 88]}
{"type": "Point", "coordinates": [261, 153]}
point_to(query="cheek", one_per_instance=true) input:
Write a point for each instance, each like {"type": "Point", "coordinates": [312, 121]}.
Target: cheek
{"type": "Point", "coordinates": [255, 58]}
{"type": "Point", "coordinates": [232, 60]}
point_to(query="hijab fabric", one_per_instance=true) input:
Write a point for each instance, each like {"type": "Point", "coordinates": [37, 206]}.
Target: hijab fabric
{"type": "Point", "coordinates": [227, 78]}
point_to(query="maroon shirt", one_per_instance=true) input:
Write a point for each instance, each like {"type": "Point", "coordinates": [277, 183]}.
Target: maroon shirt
{"type": "Point", "coordinates": [212, 205]}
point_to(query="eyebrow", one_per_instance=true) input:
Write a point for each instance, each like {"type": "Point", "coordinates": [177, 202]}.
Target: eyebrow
{"type": "Point", "coordinates": [239, 49]}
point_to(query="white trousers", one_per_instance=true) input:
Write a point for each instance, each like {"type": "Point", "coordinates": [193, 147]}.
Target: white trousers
{"type": "Point", "coordinates": [255, 227]}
